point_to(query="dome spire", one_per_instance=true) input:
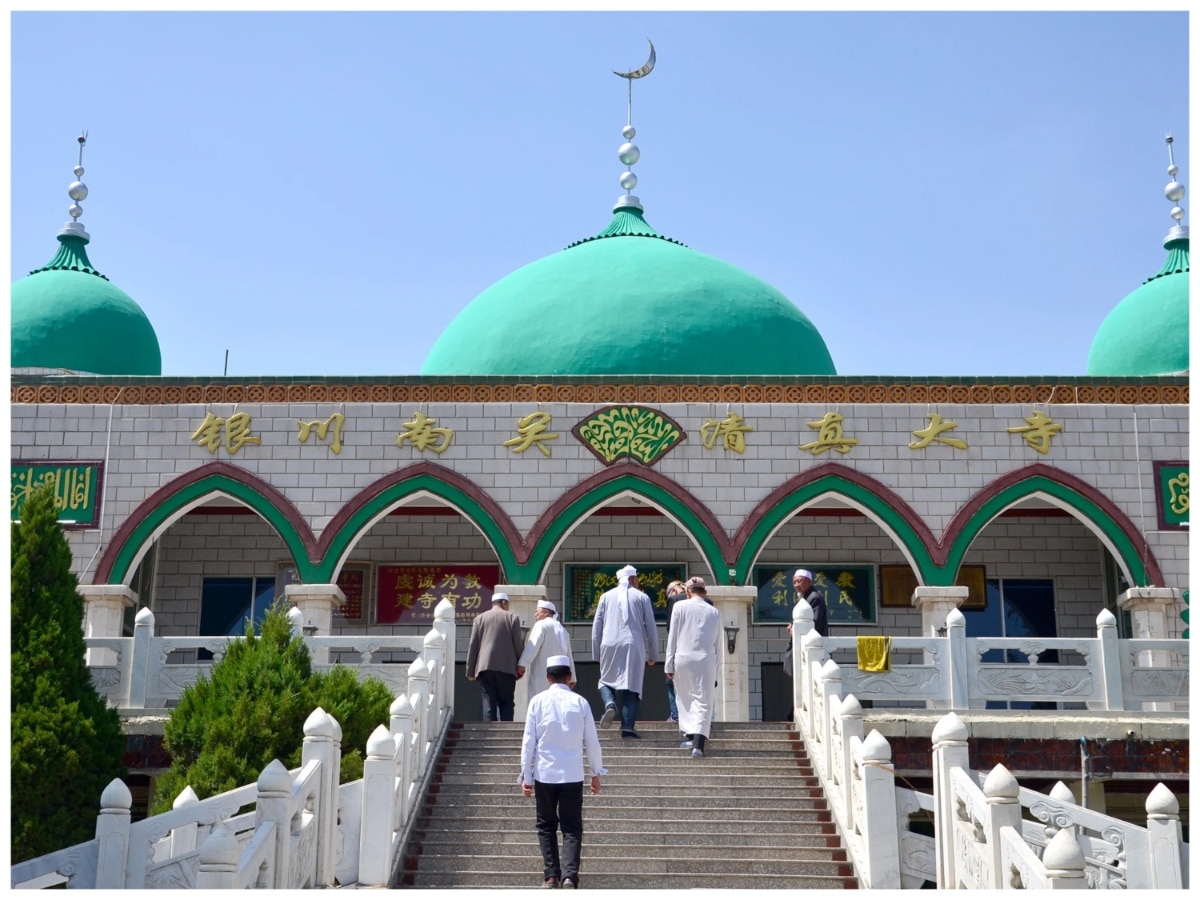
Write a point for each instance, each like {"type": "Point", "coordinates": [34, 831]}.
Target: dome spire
{"type": "Point", "coordinates": [628, 153]}
{"type": "Point", "coordinates": [77, 191]}
{"type": "Point", "coordinates": [1175, 192]}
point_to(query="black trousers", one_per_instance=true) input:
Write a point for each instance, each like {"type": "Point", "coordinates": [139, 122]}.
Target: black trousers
{"type": "Point", "coordinates": [499, 695]}
{"type": "Point", "coordinates": [559, 805]}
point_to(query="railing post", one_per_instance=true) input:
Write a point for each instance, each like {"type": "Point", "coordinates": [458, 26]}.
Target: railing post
{"type": "Point", "coordinates": [812, 650]}
{"type": "Point", "coordinates": [112, 836]}
{"type": "Point", "coordinates": [949, 752]}
{"type": "Point", "coordinates": [432, 650]}
{"type": "Point", "coordinates": [104, 608]}
{"type": "Point", "coordinates": [802, 626]}
{"type": "Point", "coordinates": [830, 686]}
{"type": "Point", "coordinates": [1109, 662]}
{"type": "Point", "coordinates": [139, 671]}
{"type": "Point", "coordinates": [956, 631]}
{"type": "Point", "coordinates": [1148, 612]}
{"type": "Point", "coordinates": [851, 714]}
{"type": "Point", "coordinates": [378, 795]}
{"type": "Point", "coordinates": [323, 742]}
{"type": "Point", "coordinates": [418, 693]}
{"type": "Point", "coordinates": [183, 837]}
{"type": "Point", "coordinates": [401, 714]}
{"type": "Point", "coordinates": [1165, 838]}
{"type": "Point", "coordinates": [443, 621]}
{"type": "Point", "coordinates": [274, 805]}
{"type": "Point", "coordinates": [878, 827]}
{"type": "Point", "coordinates": [1004, 808]}
{"type": "Point", "coordinates": [218, 863]}
{"type": "Point", "coordinates": [1064, 861]}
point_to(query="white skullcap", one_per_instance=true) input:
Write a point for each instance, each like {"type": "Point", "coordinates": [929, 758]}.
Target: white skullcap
{"type": "Point", "coordinates": [546, 604]}
{"type": "Point", "coordinates": [627, 572]}
{"type": "Point", "coordinates": [499, 597]}
{"type": "Point", "coordinates": [556, 661]}
{"type": "Point", "coordinates": [803, 573]}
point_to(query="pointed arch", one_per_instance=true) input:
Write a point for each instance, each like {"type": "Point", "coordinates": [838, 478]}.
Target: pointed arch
{"type": "Point", "coordinates": [158, 512]}
{"type": "Point", "coordinates": [378, 498]}
{"type": "Point", "coordinates": [879, 503]}
{"type": "Point", "coordinates": [1097, 512]}
{"type": "Point", "coordinates": [628, 477]}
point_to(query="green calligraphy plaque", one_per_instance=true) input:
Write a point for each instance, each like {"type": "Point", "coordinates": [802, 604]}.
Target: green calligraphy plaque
{"type": "Point", "coordinates": [76, 489]}
{"type": "Point", "coordinates": [1173, 502]}
{"type": "Point", "coordinates": [849, 593]}
{"type": "Point", "coordinates": [584, 584]}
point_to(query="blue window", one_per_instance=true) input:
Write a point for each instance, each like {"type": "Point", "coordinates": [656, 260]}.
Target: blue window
{"type": "Point", "coordinates": [226, 604]}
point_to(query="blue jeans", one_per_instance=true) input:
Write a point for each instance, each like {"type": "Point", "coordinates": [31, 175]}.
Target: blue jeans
{"type": "Point", "coordinates": [671, 699]}
{"type": "Point", "coordinates": [630, 701]}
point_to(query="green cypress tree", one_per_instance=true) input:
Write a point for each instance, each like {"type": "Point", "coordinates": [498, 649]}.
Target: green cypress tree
{"type": "Point", "coordinates": [251, 709]}
{"type": "Point", "coordinates": [66, 742]}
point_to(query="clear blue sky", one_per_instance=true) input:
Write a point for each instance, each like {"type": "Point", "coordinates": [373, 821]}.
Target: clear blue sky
{"type": "Point", "coordinates": [321, 193]}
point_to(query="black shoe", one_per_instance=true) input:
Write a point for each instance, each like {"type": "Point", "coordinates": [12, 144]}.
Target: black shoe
{"type": "Point", "coordinates": [550, 882]}
{"type": "Point", "coordinates": [631, 734]}
{"type": "Point", "coordinates": [568, 883]}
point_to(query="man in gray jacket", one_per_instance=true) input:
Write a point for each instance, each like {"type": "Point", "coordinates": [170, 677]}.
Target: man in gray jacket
{"type": "Point", "coordinates": [492, 655]}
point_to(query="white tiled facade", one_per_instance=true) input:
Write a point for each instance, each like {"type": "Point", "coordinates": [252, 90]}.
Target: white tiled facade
{"type": "Point", "coordinates": [1111, 448]}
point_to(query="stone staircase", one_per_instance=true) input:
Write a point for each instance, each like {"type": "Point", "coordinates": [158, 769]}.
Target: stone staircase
{"type": "Point", "coordinates": [750, 814]}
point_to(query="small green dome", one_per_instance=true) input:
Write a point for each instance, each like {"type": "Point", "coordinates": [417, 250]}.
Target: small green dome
{"type": "Point", "coordinates": [66, 315]}
{"type": "Point", "coordinates": [1147, 332]}
{"type": "Point", "coordinates": [629, 302]}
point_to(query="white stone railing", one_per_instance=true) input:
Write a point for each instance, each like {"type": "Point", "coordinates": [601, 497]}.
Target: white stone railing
{"type": "Point", "coordinates": [1102, 673]}
{"type": "Point", "coordinates": [151, 672]}
{"type": "Point", "coordinates": [306, 829]}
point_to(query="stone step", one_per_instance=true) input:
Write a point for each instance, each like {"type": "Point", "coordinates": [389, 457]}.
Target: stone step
{"type": "Point", "coordinates": [640, 864]}
{"type": "Point", "coordinates": [681, 845]}
{"type": "Point", "coordinates": [683, 764]}
{"type": "Point", "coordinates": [766, 792]}
{"type": "Point", "coordinates": [514, 799]}
{"type": "Point", "coordinates": [616, 880]}
{"type": "Point", "coordinates": [624, 816]}
{"type": "Point", "coordinates": [617, 830]}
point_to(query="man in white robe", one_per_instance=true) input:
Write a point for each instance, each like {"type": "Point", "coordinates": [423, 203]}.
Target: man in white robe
{"type": "Point", "coordinates": [625, 641]}
{"type": "Point", "coordinates": [547, 638]}
{"type": "Point", "coordinates": [693, 652]}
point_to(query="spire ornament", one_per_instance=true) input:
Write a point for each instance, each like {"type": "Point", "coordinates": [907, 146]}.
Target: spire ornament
{"type": "Point", "coordinates": [628, 153]}
{"type": "Point", "coordinates": [78, 192]}
{"type": "Point", "coordinates": [1175, 191]}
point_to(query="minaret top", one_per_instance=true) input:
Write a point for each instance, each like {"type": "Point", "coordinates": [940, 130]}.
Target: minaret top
{"type": "Point", "coordinates": [78, 192]}
{"type": "Point", "coordinates": [628, 153]}
{"type": "Point", "coordinates": [1175, 191]}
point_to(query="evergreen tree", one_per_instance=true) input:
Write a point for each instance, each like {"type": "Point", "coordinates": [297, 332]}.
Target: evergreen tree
{"type": "Point", "coordinates": [251, 709]}
{"type": "Point", "coordinates": [66, 742]}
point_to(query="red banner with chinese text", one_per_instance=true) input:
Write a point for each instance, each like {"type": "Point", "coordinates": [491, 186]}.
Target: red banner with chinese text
{"type": "Point", "coordinates": [408, 595]}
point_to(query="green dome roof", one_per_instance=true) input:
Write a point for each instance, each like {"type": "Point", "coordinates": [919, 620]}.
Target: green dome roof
{"type": "Point", "coordinates": [66, 315]}
{"type": "Point", "coordinates": [1147, 332]}
{"type": "Point", "coordinates": [629, 302]}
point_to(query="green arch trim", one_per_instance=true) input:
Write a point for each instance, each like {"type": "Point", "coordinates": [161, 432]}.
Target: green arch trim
{"type": "Point", "coordinates": [345, 529]}
{"type": "Point", "coordinates": [781, 506]}
{"type": "Point", "coordinates": [964, 532]}
{"type": "Point", "coordinates": [162, 506]}
{"type": "Point", "coordinates": [679, 507]}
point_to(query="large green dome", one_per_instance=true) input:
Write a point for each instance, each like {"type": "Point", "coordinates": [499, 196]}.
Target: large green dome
{"type": "Point", "coordinates": [629, 302]}
{"type": "Point", "coordinates": [1147, 332]}
{"type": "Point", "coordinates": [66, 315]}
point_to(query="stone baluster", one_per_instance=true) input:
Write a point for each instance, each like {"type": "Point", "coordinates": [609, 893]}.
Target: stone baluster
{"type": "Point", "coordinates": [1064, 862]}
{"type": "Point", "coordinates": [936, 604]}
{"type": "Point", "coordinates": [733, 673]}
{"type": "Point", "coordinates": [323, 742]}
{"type": "Point", "coordinates": [956, 632]}
{"type": "Point", "coordinates": [183, 837]}
{"type": "Point", "coordinates": [112, 835]}
{"type": "Point", "coordinates": [418, 693]}
{"type": "Point", "coordinates": [1165, 838]}
{"type": "Point", "coordinates": [1004, 808]}
{"type": "Point", "coordinates": [443, 621]}
{"type": "Point", "coordinates": [274, 805]}
{"type": "Point", "coordinates": [812, 653]}
{"type": "Point", "coordinates": [878, 827]}
{"type": "Point", "coordinates": [104, 608]}
{"type": "Point", "coordinates": [949, 752]}
{"type": "Point", "coordinates": [830, 687]}
{"type": "Point", "coordinates": [218, 860]}
{"type": "Point", "coordinates": [378, 793]}
{"type": "Point", "coordinates": [139, 669]}
{"type": "Point", "coordinates": [401, 727]}
{"type": "Point", "coordinates": [802, 627]}
{"type": "Point", "coordinates": [851, 715]}
{"type": "Point", "coordinates": [432, 651]}
{"type": "Point", "coordinates": [1109, 662]}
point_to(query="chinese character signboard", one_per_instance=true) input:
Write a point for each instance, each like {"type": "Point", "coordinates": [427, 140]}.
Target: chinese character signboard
{"type": "Point", "coordinates": [583, 585]}
{"type": "Point", "coordinates": [353, 583]}
{"type": "Point", "coordinates": [76, 489]}
{"type": "Point", "coordinates": [1173, 503]}
{"type": "Point", "coordinates": [849, 593]}
{"type": "Point", "coordinates": [408, 595]}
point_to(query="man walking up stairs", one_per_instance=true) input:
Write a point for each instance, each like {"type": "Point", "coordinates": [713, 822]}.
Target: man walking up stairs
{"type": "Point", "coordinates": [750, 814]}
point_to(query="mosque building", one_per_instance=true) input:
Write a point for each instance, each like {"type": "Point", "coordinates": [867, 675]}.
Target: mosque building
{"type": "Point", "coordinates": [542, 459]}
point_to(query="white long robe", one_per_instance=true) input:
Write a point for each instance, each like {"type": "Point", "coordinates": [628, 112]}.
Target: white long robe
{"type": "Point", "coordinates": [547, 638]}
{"type": "Point", "coordinates": [693, 652]}
{"type": "Point", "coordinates": [624, 637]}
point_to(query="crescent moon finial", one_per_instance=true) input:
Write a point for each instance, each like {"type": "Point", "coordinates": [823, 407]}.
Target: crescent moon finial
{"type": "Point", "coordinates": [646, 68]}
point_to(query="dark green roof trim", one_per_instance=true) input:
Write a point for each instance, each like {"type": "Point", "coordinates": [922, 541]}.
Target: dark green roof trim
{"type": "Point", "coordinates": [627, 222]}
{"type": "Point", "coordinates": [71, 257]}
{"type": "Point", "coordinates": [1177, 260]}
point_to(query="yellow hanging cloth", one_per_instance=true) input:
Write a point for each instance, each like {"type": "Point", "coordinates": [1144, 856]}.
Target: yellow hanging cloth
{"type": "Point", "coordinates": [874, 653]}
